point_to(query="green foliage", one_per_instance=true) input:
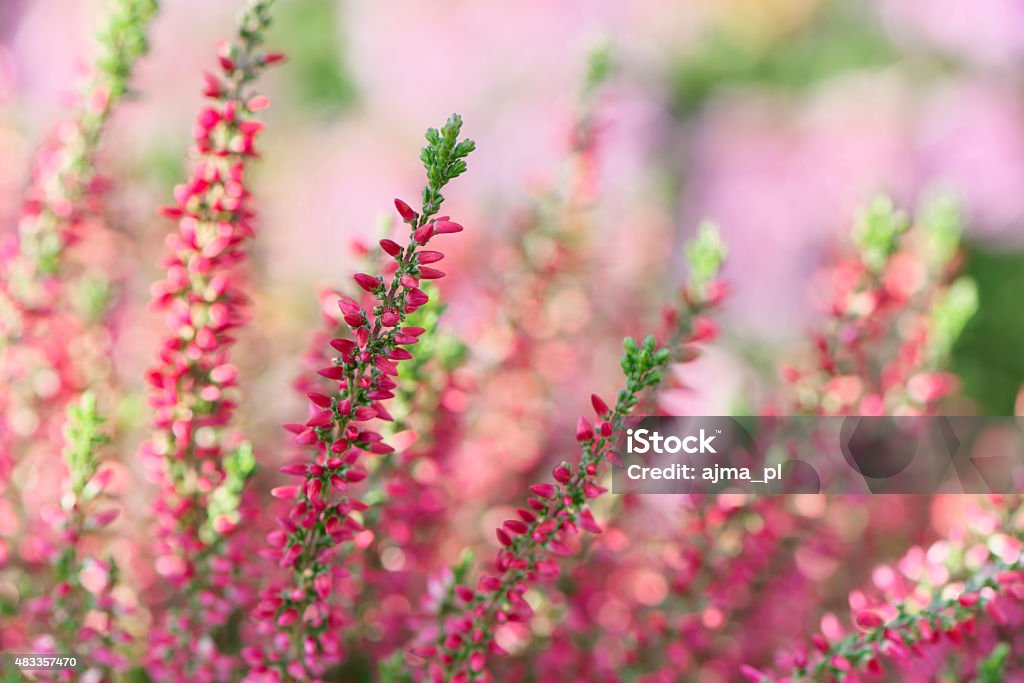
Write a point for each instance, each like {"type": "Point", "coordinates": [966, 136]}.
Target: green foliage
{"type": "Point", "coordinates": [83, 432]}
{"type": "Point", "coordinates": [877, 231]}
{"type": "Point", "coordinates": [641, 363]}
{"type": "Point", "coordinates": [842, 37]}
{"type": "Point", "coordinates": [123, 40]}
{"type": "Point", "coordinates": [950, 315]}
{"type": "Point", "coordinates": [993, 668]}
{"type": "Point", "coordinates": [942, 219]}
{"type": "Point", "coordinates": [600, 67]}
{"type": "Point", "coordinates": [705, 255]}
{"type": "Point", "coordinates": [987, 355]}
{"type": "Point", "coordinates": [318, 77]}
{"type": "Point", "coordinates": [254, 22]}
{"type": "Point", "coordinates": [443, 160]}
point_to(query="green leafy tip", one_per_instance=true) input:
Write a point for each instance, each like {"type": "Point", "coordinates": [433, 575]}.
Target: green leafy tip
{"type": "Point", "coordinates": [942, 219]}
{"type": "Point", "coordinates": [705, 255]}
{"type": "Point", "coordinates": [83, 432]}
{"type": "Point", "coordinates": [877, 230]}
{"type": "Point", "coordinates": [950, 314]}
{"type": "Point", "coordinates": [444, 160]}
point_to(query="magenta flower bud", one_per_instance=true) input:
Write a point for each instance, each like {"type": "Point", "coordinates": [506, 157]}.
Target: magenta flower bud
{"type": "Point", "coordinates": [968, 599]}
{"type": "Point", "coordinates": [600, 407]}
{"type": "Point", "coordinates": [319, 400]}
{"type": "Point", "coordinates": [489, 584]}
{"type": "Point", "coordinates": [288, 617]}
{"type": "Point", "coordinates": [446, 227]}
{"type": "Point", "coordinates": [704, 329]}
{"type": "Point", "coordinates": [464, 594]}
{"type": "Point", "coordinates": [427, 256]}
{"type": "Point", "coordinates": [105, 517]}
{"type": "Point", "coordinates": [348, 305]}
{"type": "Point", "coordinates": [476, 662]}
{"type": "Point", "coordinates": [753, 675]}
{"type": "Point", "coordinates": [868, 620]}
{"type": "Point", "coordinates": [417, 297]}
{"type": "Point", "coordinates": [587, 521]}
{"type": "Point", "coordinates": [284, 492]}
{"type": "Point", "coordinates": [291, 555]}
{"type": "Point", "coordinates": [399, 354]}
{"type": "Point", "coordinates": [224, 374]}
{"type": "Point", "coordinates": [543, 490]}
{"type": "Point", "coordinates": [324, 418]}
{"type": "Point", "coordinates": [355, 475]}
{"type": "Point", "coordinates": [583, 430]}
{"type": "Point", "coordinates": [307, 437]}
{"type": "Point", "coordinates": [322, 585]}
{"type": "Point", "coordinates": [367, 282]}
{"type": "Point", "coordinates": [390, 318]}
{"type": "Point", "coordinates": [390, 247]}
{"type": "Point", "coordinates": [405, 211]}
{"type": "Point", "coordinates": [526, 515]}
{"type": "Point", "coordinates": [335, 372]}
{"type": "Point", "coordinates": [295, 470]}
{"type": "Point", "coordinates": [427, 273]}
{"type": "Point", "coordinates": [515, 526]}
{"type": "Point", "coordinates": [423, 234]}
{"type": "Point", "coordinates": [561, 474]}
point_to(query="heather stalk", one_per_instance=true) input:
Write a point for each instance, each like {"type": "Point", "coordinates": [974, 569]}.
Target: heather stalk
{"type": "Point", "coordinates": [894, 313]}
{"type": "Point", "coordinates": [906, 624]}
{"type": "Point", "coordinates": [324, 515]}
{"type": "Point", "coordinates": [202, 295]}
{"type": "Point", "coordinates": [84, 585]}
{"type": "Point", "coordinates": [555, 512]}
{"type": "Point", "coordinates": [200, 465]}
{"type": "Point", "coordinates": [63, 187]}
{"type": "Point", "coordinates": [37, 305]}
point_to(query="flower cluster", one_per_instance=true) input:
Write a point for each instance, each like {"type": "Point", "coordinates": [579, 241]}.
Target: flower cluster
{"type": "Point", "coordinates": [549, 524]}
{"type": "Point", "coordinates": [48, 313]}
{"type": "Point", "coordinates": [199, 464]}
{"type": "Point", "coordinates": [323, 515]}
{"type": "Point", "coordinates": [428, 431]}
{"type": "Point", "coordinates": [929, 602]}
{"type": "Point", "coordinates": [893, 313]}
{"type": "Point", "coordinates": [83, 609]}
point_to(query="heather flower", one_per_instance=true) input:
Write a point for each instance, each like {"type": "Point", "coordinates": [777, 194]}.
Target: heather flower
{"type": "Point", "coordinates": [930, 601]}
{"type": "Point", "coordinates": [324, 516]}
{"type": "Point", "coordinates": [40, 315]}
{"type": "Point", "coordinates": [548, 527]}
{"type": "Point", "coordinates": [894, 312]}
{"type": "Point", "coordinates": [200, 466]}
{"type": "Point", "coordinates": [84, 585]}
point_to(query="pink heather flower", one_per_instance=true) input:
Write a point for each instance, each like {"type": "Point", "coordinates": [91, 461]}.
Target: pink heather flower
{"type": "Point", "coordinates": [193, 385]}
{"type": "Point", "coordinates": [40, 327]}
{"type": "Point", "coordinates": [341, 430]}
{"type": "Point", "coordinates": [549, 528]}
